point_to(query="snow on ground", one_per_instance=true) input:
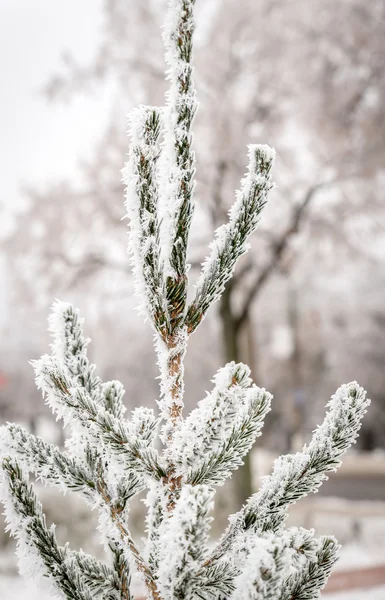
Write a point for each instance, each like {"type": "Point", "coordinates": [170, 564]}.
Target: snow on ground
{"type": "Point", "coordinates": [16, 588]}
{"type": "Point", "coordinates": [374, 594]}
{"type": "Point", "coordinates": [355, 555]}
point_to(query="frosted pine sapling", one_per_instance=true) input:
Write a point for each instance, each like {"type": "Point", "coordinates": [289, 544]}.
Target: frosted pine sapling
{"type": "Point", "coordinates": [178, 460]}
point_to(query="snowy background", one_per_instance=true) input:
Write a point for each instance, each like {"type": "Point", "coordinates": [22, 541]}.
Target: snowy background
{"type": "Point", "coordinates": [307, 78]}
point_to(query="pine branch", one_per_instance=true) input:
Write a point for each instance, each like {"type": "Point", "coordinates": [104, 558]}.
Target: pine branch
{"type": "Point", "coordinates": [130, 441]}
{"type": "Point", "coordinates": [183, 542]}
{"type": "Point", "coordinates": [295, 476]}
{"type": "Point", "coordinates": [214, 582]}
{"type": "Point", "coordinates": [140, 177]}
{"type": "Point", "coordinates": [114, 522]}
{"type": "Point", "coordinates": [47, 462]}
{"type": "Point", "coordinates": [268, 562]}
{"type": "Point", "coordinates": [213, 439]}
{"type": "Point", "coordinates": [103, 581]}
{"type": "Point", "coordinates": [156, 511]}
{"type": "Point", "coordinates": [55, 468]}
{"type": "Point", "coordinates": [177, 169]}
{"type": "Point", "coordinates": [36, 541]}
{"type": "Point", "coordinates": [231, 239]}
{"type": "Point", "coordinates": [171, 365]}
{"type": "Point", "coordinates": [112, 398]}
{"type": "Point", "coordinates": [122, 572]}
{"type": "Point", "coordinates": [127, 439]}
{"type": "Point", "coordinates": [178, 158]}
{"type": "Point", "coordinates": [309, 579]}
{"type": "Point", "coordinates": [214, 416]}
{"type": "Point", "coordinates": [69, 346]}
{"type": "Point", "coordinates": [263, 570]}
{"type": "Point", "coordinates": [219, 466]}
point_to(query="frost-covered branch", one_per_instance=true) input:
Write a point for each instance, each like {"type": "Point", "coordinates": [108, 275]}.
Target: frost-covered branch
{"type": "Point", "coordinates": [112, 398]}
{"type": "Point", "coordinates": [215, 437]}
{"type": "Point", "coordinates": [38, 550]}
{"type": "Point", "coordinates": [296, 475]}
{"type": "Point", "coordinates": [178, 159]}
{"type": "Point", "coordinates": [231, 239]}
{"type": "Point", "coordinates": [47, 462]}
{"type": "Point", "coordinates": [98, 409]}
{"type": "Point", "coordinates": [54, 467]}
{"type": "Point", "coordinates": [142, 193]}
{"type": "Point", "coordinates": [131, 440]}
{"type": "Point", "coordinates": [183, 541]}
{"type": "Point", "coordinates": [69, 346]}
{"type": "Point", "coordinates": [276, 565]}
{"type": "Point", "coordinates": [311, 577]}
{"type": "Point", "coordinates": [104, 582]}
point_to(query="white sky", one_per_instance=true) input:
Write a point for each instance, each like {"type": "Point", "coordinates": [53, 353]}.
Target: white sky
{"type": "Point", "coordinates": [42, 141]}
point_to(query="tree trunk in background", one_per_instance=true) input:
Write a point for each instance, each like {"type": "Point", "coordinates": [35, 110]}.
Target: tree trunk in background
{"type": "Point", "coordinates": [233, 350]}
{"type": "Point", "coordinates": [296, 407]}
{"type": "Point", "coordinates": [230, 331]}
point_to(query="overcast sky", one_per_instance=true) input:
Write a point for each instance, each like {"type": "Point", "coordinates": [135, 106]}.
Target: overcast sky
{"type": "Point", "coordinates": [41, 141]}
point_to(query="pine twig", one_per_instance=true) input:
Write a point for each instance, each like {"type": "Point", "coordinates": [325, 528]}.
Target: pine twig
{"type": "Point", "coordinates": [231, 239]}
{"type": "Point", "coordinates": [295, 476]}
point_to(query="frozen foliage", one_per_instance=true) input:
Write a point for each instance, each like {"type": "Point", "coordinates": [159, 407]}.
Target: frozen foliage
{"type": "Point", "coordinates": [216, 435]}
{"type": "Point", "coordinates": [178, 460]}
{"type": "Point", "coordinates": [231, 239]}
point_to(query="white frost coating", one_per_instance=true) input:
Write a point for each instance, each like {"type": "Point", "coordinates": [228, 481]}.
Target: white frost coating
{"type": "Point", "coordinates": [143, 145]}
{"type": "Point", "coordinates": [169, 205]}
{"type": "Point", "coordinates": [130, 441]}
{"type": "Point", "coordinates": [266, 563]}
{"type": "Point", "coordinates": [32, 567]}
{"type": "Point", "coordinates": [212, 441]}
{"type": "Point", "coordinates": [208, 425]}
{"type": "Point", "coordinates": [346, 409]}
{"type": "Point", "coordinates": [29, 560]}
{"type": "Point", "coordinates": [177, 130]}
{"type": "Point", "coordinates": [12, 517]}
{"type": "Point", "coordinates": [252, 177]}
{"type": "Point", "coordinates": [296, 475]}
{"type": "Point", "coordinates": [171, 381]}
{"type": "Point", "coordinates": [65, 325]}
{"type": "Point", "coordinates": [43, 367]}
{"type": "Point", "coordinates": [156, 504]}
{"type": "Point", "coordinates": [112, 393]}
{"type": "Point", "coordinates": [41, 459]}
{"type": "Point", "coordinates": [117, 532]}
{"type": "Point", "coordinates": [6, 445]}
{"type": "Point", "coordinates": [267, 153]}
{"type": "Point", "coordinates": [110, 524]}
{"type": "Point", "coordinates": [183, 541]}
{"type": "Point", "coordinates": [261, 569]}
